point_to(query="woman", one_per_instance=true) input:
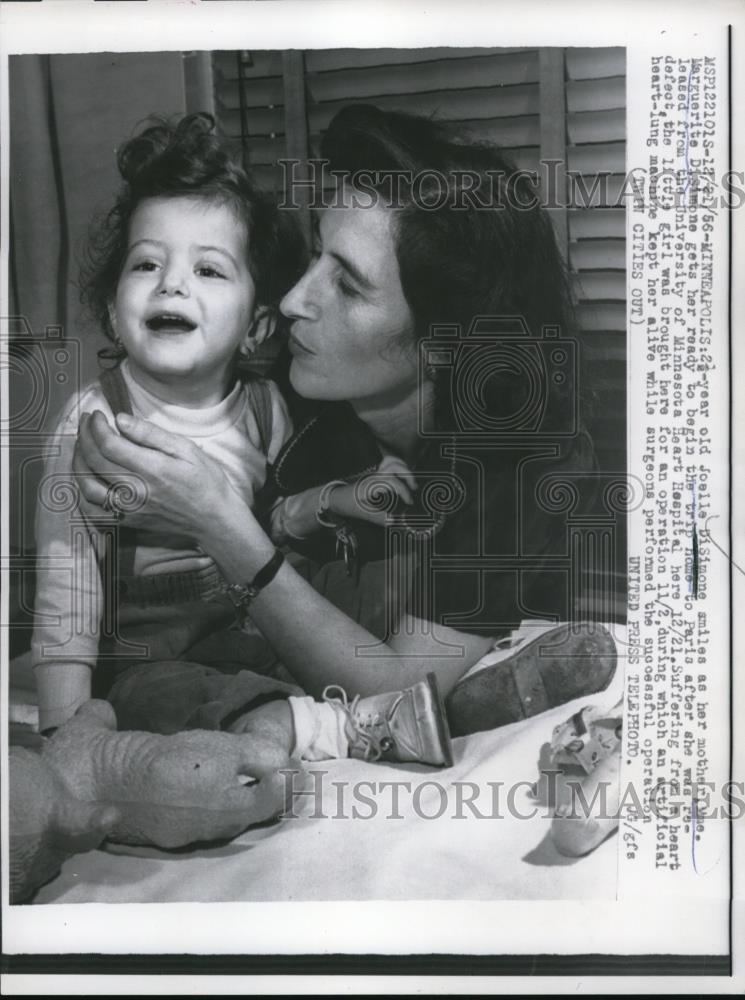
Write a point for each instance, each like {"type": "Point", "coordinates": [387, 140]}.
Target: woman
{"type": "Point", "coordinates": [425, 235]}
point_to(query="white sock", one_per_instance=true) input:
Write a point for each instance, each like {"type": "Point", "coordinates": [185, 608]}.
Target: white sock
{"type": "Point", "coordinates": [320, 729]}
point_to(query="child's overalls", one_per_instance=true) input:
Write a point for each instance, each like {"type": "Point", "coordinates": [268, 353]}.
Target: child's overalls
{"type": "Point", "coordinates": [173, 616]}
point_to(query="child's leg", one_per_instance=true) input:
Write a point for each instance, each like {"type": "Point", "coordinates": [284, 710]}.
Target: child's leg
{"type": "Point", "coordinates": [406, 725]}
{"type": "Point", "coordinates": [273, 719]}
{"type": "Point", "coordinates": [172, 695]}
{"type": "Point", "coordinates": [307, 729]}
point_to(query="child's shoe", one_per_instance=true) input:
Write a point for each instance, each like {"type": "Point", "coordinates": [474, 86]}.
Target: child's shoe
{"type": "Point", "coordinates": [407, 725]}
{"type": "Point", "coordinates": [569, 661]}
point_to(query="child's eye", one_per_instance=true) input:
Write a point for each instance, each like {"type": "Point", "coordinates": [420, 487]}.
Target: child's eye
{"type": "Point", "coordinates": [207, 271]}
{"type": "Point", "coordinates": [144, 265]}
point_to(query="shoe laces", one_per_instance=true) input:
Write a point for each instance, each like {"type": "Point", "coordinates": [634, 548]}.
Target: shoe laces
{"type": "Point", "coordinates": [362, 727]}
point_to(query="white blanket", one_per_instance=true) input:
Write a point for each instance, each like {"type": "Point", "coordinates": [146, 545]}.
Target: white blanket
{"type": "Point", "coordinates": [396, 854]}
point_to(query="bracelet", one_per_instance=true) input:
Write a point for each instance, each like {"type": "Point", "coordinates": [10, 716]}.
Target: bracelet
{"type": "Point", "coordinates": [324, 499]}
{"type": "Point", "coordinates": [242, 594]}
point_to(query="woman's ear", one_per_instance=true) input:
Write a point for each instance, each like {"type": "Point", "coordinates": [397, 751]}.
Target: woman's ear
{"type": "Point", "coordinates": [263, 326]}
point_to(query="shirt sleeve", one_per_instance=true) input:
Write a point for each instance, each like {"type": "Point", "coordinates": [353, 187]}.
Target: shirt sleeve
{"type": "Point", "coordinates": [68, 584]}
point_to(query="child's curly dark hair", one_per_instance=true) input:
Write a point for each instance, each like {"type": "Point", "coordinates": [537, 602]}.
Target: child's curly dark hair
{"type": "Point", "coordinates": [188, 157]}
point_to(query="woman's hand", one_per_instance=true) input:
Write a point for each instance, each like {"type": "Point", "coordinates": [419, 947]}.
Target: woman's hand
{"type": "Point", "coordinates": [168, 483]}
{"type": "Point", "coordinates": [373, 497]}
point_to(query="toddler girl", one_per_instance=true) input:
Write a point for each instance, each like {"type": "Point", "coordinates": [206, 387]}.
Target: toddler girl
{"type": "Point", "coordinates": [184, 275]}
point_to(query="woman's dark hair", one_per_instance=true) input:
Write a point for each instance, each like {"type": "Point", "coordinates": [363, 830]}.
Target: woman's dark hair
{"type": "Point", "coordinates": [472, 242]}
{"type": "Point", "coordinates": [189, 158]}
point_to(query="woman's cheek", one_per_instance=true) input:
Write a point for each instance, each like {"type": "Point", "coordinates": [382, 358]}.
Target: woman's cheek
{"type": "Point", "coordinates": [303, 380]}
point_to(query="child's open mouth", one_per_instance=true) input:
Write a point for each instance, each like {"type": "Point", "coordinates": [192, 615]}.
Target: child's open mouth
{"type": "Point", "coordinates": [167, 322]}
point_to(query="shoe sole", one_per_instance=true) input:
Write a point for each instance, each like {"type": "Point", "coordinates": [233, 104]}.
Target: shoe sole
{"type": "Point", "coordinates": [441, 720]}
{"type": "Point", "coordinates": [554, 668]}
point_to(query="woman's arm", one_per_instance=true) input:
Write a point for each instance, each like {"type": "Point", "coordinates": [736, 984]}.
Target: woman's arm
{"type": "Point", "coordinates": [316, 641]}
{"type": "Point", "coordinates": [318, 644]}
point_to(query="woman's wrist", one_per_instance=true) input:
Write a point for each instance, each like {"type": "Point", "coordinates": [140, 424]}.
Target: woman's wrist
{"type": "Point", "coordinates": [243, 594]}
{"type": "Point", "coordinates": [326, 511]}
{"type": "Point", "coordinates": [217, 510]}
{"type": "Point", "coordinates": [341, 502]}
{"type": "Point", "coordinates": [233, 537]}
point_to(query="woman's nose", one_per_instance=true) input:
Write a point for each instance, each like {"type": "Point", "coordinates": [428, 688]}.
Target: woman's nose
{"type": "Point", "coordinates": [298, 303]}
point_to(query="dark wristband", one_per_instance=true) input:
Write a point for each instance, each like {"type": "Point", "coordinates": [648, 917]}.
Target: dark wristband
{"type": "Point", "coordinates": [242, 594]}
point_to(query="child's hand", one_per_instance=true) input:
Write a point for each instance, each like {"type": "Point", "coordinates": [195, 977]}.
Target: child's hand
{"type": "Point", "coordinates": [373, 497]}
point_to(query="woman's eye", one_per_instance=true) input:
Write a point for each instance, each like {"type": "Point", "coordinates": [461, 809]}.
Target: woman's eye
{"type": "Point", "coordinates": [347, 290]}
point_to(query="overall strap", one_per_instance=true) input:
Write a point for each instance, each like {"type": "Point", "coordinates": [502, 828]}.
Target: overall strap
{"type": "Point", "coordinates": [260, 396]}
{"type": "Point", "coordinates": [117, 396]}
{"type": "Point", "coordinates": [115, 390]}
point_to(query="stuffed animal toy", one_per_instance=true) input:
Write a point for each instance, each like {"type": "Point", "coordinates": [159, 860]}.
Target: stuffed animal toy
{"type": "Point", "coordinates": [90, 782]}
{"type": "Point", "coordinates": [47, 825]}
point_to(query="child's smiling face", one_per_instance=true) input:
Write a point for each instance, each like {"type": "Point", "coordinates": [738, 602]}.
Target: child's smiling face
{"type": "Point", "coordinates": [185, 299]}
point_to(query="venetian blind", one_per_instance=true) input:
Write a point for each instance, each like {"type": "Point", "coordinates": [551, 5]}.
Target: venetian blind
{"type": "Point", "coordinates": [596, 155]}
{"type": "Point", "coordinates": [249, 102]}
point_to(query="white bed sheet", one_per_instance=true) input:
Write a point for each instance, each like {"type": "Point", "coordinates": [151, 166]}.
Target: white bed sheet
{"type": "Point", "coordinates": [412, 857]}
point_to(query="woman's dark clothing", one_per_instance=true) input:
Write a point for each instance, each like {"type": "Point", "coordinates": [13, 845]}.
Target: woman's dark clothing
{"type": "Point", "coordinates": [484, 545]}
